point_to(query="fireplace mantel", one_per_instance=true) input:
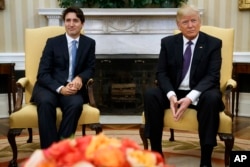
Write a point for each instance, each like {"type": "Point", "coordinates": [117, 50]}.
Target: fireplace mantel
{"type": "Point", "coordinates": [123, 31]}
{"type": "Point", "coordinates": [114, 12]}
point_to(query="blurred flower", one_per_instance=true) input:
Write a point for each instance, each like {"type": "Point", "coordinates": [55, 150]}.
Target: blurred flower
{"type": "Point", "coordinates": [95, 151]}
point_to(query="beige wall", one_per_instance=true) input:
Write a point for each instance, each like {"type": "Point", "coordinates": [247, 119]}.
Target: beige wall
{"type": "Point", "coordinates": [21, 14]}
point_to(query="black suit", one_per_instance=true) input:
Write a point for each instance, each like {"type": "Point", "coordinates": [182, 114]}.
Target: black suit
{"type": "Point", "coordinates": [204, 77]}
{"type": "Point", "coordinates": [53, 72]}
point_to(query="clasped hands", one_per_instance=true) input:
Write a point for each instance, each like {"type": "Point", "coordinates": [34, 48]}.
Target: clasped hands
{"type": "Point", "coordinates": [72, 87]}
{"type": "Point", "coordinates": [178, 107]}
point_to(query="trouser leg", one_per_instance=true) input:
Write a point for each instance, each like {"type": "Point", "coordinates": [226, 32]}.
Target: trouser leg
{"type": "Point", "coordinates": [208, 110]}
{"type": "Point", "coordinates": [154, 104]}
{"type": "Point", "coordinates": [71, 111]}
{"type": "Point", "coordinates": [46, 109]}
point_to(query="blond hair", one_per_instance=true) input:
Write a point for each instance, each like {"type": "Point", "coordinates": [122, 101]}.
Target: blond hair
{"type": "Point", "coordinates": [186, 9]}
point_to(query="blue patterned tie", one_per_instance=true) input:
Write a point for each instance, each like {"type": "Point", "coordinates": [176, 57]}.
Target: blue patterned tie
{"type": "Point", "coordinates": [186, 59]}
{"type": "Point", "coordinates": [73, 54]}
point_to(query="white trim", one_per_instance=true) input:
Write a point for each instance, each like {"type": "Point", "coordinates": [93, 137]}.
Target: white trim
{"type": "Point", "coordinates": [4, 106]}
{"type": "Point", "coordinates": [115, 12]}
{"type": "Point", "coordinates": [241, 57]}
{"type": "Point", "coordinates": [17, 58]}
{"type": "Point", "coordinates": [244, 104]}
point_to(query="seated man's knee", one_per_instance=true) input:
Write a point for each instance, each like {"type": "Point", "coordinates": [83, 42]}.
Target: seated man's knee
{"type": "Point", "coordinates": [47, 101]}
{"type": "Point", "coordinates": [151, 93]}
{"type": "Point", "coordinates": [212, 96]}
{"type": "Point", "coordinates": [75, 101]}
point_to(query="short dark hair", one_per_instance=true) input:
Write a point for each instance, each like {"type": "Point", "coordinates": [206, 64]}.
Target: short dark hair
{"type": "Point", "coordinates": [76, 10]}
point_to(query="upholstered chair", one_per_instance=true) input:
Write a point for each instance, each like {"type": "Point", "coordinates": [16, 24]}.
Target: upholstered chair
{"type": "Point", "coordinates": [189, 120]}
{"type": "Point", "coordinates": [25, 113]}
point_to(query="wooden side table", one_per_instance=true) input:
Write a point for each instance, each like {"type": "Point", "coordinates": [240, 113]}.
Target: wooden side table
{"type": "Point", "coordinates": [239, 68]}
{"type": "Point", "coordinates": [8, 69]}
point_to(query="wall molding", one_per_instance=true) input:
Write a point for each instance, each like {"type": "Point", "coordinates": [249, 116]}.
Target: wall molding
{"type": "Point", "coordinates": [17, 58]}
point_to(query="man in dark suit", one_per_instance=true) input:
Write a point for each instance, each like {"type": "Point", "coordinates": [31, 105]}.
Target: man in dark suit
{"type": "Point", "coordinates": [197, 87]}
{"type": "Point", "coordinates": [62, 77]}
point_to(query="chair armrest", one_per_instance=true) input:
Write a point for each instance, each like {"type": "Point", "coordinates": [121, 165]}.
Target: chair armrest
{"type": "Point", "coordinates": [231, 83]}
{"type": "Point", "coordinates": [23, 82]}
{"type": "Point", "coordinates": [230, 86]}
{"type": "Point", "coordinates": [89, 87]}
{"type": "Point", "coordinates": [20, 85]}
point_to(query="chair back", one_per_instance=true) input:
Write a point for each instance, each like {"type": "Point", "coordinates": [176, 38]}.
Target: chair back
{"type": "Point", "coordinates": [227, 37]}
{"type": "Point", "coordinates": [35, 40]}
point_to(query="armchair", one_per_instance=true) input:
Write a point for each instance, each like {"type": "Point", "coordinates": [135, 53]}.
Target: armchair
{"type": "Point", "coordinates": [25, 114]}
{"type": "Point", "coordinates": [189, 121]}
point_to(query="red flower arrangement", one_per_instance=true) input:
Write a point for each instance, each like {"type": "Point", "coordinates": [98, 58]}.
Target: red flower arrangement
{"type": "Point", "coordinates": [95, 151]}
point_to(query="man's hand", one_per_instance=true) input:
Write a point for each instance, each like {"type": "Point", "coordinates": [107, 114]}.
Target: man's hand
{"type": "Point", "coordinates": [76, 83]}
{"type": "Point", "coordinates": [72, 87]}
{"type": "Point", "coordinates": [68, 90]}
{"type": "Point", "coordinates": [173, 104]}
{"type": "Point", "coordinates": [182, 106]}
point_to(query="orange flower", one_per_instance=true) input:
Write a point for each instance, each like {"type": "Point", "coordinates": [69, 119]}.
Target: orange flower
{"type": "Point", "coordinates": [98, 151]}
{"type": "Point", "coordinates": [110, 156]}
{"type": "Point", "coordinates": [98, 142]}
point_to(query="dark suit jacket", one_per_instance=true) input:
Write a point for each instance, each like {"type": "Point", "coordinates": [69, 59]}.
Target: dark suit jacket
{"type": "Point", "coordinates": [54, 64]}
{"type": "Point", "coordinates": [205, 67]}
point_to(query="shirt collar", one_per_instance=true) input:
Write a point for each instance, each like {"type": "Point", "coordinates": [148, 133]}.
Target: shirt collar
{"type": "Point", "coordinates": [70, 39]}
{"type": "Point", "coordinates": [185, 40]}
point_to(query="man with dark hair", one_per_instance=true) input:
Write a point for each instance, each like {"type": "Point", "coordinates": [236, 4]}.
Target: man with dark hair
{"type": "Point", "coordinates": [188, 75]}
{"type": "Point", "coordinates": [67, 63]}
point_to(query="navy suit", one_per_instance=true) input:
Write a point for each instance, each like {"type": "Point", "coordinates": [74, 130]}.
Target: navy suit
{"type": "Point", "coordinates": [204, 77]}
{"type": "Point", "coordinates": [53, 72]}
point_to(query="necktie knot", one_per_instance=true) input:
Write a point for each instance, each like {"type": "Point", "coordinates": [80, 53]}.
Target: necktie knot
{"type": "Point", "coordinates": [74, 42]}
{"type": "Point", "coordinates": [189, 43]}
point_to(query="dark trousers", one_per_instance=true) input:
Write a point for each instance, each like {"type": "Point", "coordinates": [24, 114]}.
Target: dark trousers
{"type": "Point", "coordinates": [208, 108]}
{"type": "Point", "coordinates": [47, 102]}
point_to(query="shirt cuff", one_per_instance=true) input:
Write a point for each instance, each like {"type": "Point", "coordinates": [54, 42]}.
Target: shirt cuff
{"type": "Point", "coordinates": [194, 96]}
{"type": "Point", "coordinates": [170, 93]}
{"type": "Point", "coordinates": [58, 90]}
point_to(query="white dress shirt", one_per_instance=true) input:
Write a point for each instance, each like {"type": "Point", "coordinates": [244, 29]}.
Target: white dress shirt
{"type": "Point", "coordinates": [193, 94]}
{"type": "Point", "coordinates": [69, 42]}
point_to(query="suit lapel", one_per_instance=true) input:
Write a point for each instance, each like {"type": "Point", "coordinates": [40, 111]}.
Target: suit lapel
{"type": "Point", "coordinates": [179, 55]}
{"type": "Point", "coordinates": [198, 52]}
{"type": "Point", "coordinates": [80, 51]}
{"type": "Point", "coordinates": [64, 47]}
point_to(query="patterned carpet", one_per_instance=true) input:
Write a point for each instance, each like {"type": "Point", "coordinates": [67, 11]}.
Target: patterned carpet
{"type": "Point", "coordinates": [183, 152]}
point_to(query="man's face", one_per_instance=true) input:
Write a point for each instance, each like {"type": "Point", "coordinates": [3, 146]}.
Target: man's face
{"type": "Point", "coordinates": [189, 25]}
{"type": "Point", "coordinates": [73, 25]}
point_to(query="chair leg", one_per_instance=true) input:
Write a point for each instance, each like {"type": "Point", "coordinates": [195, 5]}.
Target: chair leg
{"type": "Point", "coordinates": [171, 135]}
{"type": "Point", "coordinates": [97, 127]}
{"type": "Point", "coordinates": [30, 139]}
{"type": "Point", "coordinates": [83, 130]}
{"type": "Point", "coordinates": [229, 143]}
{"type": "Point", "coordinates": [143, 138]}
{"type": "Point", "coordinates": [12, 141]}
